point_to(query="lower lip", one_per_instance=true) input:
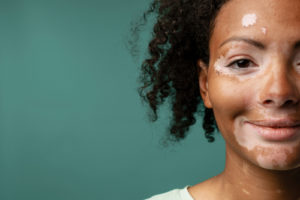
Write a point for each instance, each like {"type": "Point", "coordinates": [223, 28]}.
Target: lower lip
{"type": "Point", "coordinates": [276, 134]}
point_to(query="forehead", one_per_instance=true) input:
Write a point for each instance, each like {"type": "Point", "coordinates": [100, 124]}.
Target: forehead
{"type": "Point", "coordinates": [275, 21]}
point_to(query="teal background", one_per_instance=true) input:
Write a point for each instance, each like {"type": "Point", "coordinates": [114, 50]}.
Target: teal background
{"type": "Point", "coordinates": [72, 124]}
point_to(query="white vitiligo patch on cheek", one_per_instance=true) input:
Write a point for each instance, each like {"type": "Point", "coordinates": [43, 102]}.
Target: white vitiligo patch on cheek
{"type": "Point", "coordinates": [268, 155]}
{"type": "Point", "coordinates": [243, 138]}
{"type": "Point", "coordinates": [249, 19]}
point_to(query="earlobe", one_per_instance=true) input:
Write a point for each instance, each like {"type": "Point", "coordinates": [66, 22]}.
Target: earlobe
{"type": "Point", "coordinates": [203, 83]}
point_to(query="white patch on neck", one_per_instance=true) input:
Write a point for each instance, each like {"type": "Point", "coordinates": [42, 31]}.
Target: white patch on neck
{"type": "Point", "coordinates": [246, 191]}
{"type": "Point", "coordinates": [249, 20]}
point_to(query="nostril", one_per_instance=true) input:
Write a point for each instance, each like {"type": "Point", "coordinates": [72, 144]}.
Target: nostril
{"type": "Point", "coordinates": [268, 101]}
{"type": "Point", "coordinates": [289, 102]}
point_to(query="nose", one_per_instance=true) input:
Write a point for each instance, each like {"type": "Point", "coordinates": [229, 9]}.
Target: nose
{"type": "Point", "coordinates": [279, 88]}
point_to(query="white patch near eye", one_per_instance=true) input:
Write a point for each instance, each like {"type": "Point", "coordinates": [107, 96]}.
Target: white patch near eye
{"type": "Point", "coordinates": [249, 19]}
{"type": "Point", "coordinates": [220, 62]}
{"type": "Point", "coordinates": [264, 30]}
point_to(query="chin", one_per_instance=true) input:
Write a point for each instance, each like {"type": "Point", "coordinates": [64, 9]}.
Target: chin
{"type": "Point", "coordinates": [278, 165]}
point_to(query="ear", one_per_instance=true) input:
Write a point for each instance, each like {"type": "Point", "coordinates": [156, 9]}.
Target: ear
{"type": "Point", "coordinates": [203, 83]}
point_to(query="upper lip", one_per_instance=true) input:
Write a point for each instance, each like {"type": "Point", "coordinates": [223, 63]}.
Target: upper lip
{"type": "Point", "coordinates": [276, 123]}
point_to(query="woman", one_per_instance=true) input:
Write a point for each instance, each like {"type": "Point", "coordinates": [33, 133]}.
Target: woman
{"type": "Point", "coordinates": [243, 58]}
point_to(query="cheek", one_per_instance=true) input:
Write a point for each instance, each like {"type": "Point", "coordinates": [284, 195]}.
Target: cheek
{"type": "Point", "coordinates": [230, 97]}
{"type": "Point", "coordinates": [279, 157]}
{"type": "Point", "coordinates": [233, 101]}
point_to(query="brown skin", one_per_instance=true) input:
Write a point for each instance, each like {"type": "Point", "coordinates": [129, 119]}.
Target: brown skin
{"type": "Point", "coordinates": [274, 91]}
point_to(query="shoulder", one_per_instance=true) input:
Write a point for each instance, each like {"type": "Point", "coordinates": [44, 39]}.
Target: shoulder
{"type": "Point", "coordinates": [175, 194]}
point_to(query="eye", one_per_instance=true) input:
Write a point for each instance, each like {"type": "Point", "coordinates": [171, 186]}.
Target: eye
{"type": "Point", "coordinates": [241, 63]}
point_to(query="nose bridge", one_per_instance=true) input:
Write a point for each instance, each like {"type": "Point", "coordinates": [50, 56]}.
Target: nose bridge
{"type": "Point", "coordinates": [278, 86]}
{"type": "Point", "coordinates": [277, 82]}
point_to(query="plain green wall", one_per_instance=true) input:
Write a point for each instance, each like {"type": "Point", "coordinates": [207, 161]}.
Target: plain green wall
{"type": "Point", "coordinates": [72, 124]}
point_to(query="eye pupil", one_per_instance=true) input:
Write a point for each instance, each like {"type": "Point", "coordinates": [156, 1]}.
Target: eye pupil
{"type": "Point", "coordinates": [243, 63]}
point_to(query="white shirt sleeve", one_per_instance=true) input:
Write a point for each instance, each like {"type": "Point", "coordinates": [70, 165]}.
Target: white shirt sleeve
{"type": "Point", "coordinates": [176, 194]}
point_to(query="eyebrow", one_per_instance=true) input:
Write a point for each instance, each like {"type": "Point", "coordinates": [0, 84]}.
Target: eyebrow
{"type": "Point", "coordinates": [253, 42]}
{"type": "Point", "coordinates": [247, 40]}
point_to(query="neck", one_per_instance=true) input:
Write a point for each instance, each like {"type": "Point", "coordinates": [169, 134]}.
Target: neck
{"type": "Point", "coordinates": [243, 180]}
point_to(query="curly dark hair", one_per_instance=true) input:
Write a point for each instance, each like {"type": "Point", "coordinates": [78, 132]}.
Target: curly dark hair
{"type": "Point", "coordinates": [180, 38]}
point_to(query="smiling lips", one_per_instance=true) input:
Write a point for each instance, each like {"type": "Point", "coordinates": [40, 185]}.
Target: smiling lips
{"type": "Point", "coordinates": [276, 130]}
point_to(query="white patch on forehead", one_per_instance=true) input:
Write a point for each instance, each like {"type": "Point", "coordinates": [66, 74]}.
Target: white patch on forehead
{"type": "Point", "coordinates": [264, 30]}
{"type": "Point", "coordinates": [249, 20]}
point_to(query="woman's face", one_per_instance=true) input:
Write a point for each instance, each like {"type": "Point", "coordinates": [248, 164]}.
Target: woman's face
{"type": "Point", "coordinates": [253, 80]}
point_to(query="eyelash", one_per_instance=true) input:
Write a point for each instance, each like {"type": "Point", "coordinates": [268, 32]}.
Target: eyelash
{"type": "Point", "coordinates": [235, 63]}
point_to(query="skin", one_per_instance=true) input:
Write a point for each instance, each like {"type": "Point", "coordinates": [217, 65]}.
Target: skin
{"type": "Point", "coordinates": [268, 87]}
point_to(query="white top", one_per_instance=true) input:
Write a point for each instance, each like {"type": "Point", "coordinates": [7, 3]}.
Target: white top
{"type": "Point", "coordinates": [176, 194]}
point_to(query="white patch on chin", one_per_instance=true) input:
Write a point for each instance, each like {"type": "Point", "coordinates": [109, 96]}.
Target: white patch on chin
{"type": "Point", "coordinates": [275, 159]}
{"type": "Point", "coordinates": [268, 155]}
